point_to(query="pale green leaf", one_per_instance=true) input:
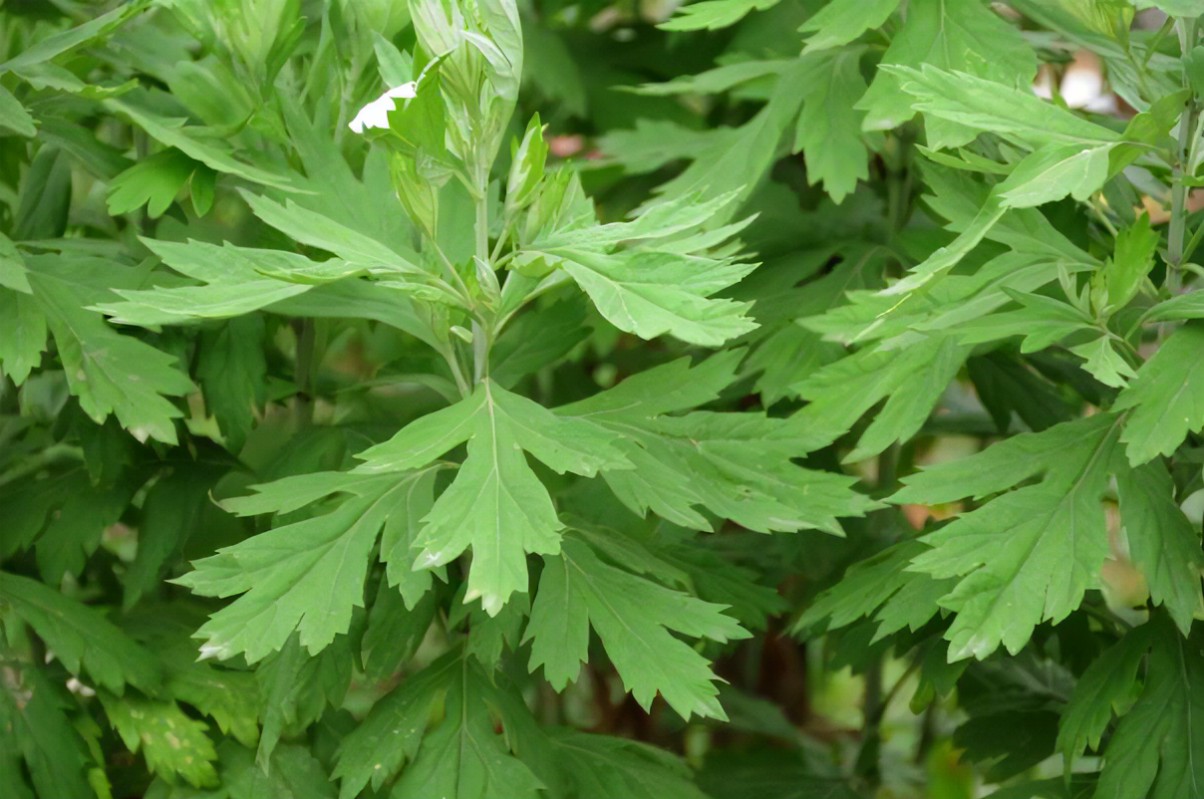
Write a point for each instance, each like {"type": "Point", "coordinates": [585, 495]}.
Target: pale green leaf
{"type": "Point", "coordinates": [1051, 173]}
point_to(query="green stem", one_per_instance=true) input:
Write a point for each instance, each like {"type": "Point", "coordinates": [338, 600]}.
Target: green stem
{"type": "Point", "coordinates": [480, 332]}
{"type": "Point", "coordinates": [1178, 224]}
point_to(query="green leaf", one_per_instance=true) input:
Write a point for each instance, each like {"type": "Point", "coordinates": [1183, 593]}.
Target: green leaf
{"type": "Point", "coordinates": [1162, 542]}
{"type": "Point", "coordinates": [34, 724]}
{"type": "Point", "coordinates": [173, 744]}
{"type": "Point", "coordinates": [714, 14]}
{"type": "Point", "coordinates": [829, 128]}
{"type": "Point", "coordinates": [1104, 363]}
{"type": "Point", "coordinates": [108, 372]}
{"type": "Point", "coordinates": [841, 393]}
{"type": "Point", "coordinates": [605, 767]}
{"type": "Point", "coordinates": [153, 182]}
{"type": "Point", "coordinates": [1108, 687]}
{"type": "Point", "coordinates": [1155, 749]}
{"type": "Point", "coordinates": [1031, 553]}
{"type": "Point", "coordinates": [865, 588]}
{"type": "Point", "coordinates": [988, 103]}
{"type": "Point", "coordinates": [650, 294]}
{"type": "Point", "coordinates": [319, 230]}
{"type": "Point", "coordinates": [1166, 399]}
{"type": "Point", "coordinates": [1051, 173]}
{"type": "Point", "coordinates": [22, 334]}
{"type": "Point", "coordinates": [306, 576]}
{"type": "Point", "coordinates": [81, 637]}
{"type": "Point", "coordinates": [467, 754]}
{"type": "Point", "coordinates": [211, 153]}
{"type": "Point", "coordinates": [1177, 8]}
{"type": "Point", "coordinates": [14, 117]}
{"type": "Point", "coordinates": [841, 21]}
{"type": "Point", "coordinates": [955, 35]}
{"type": "Point", "coordinates": [1131, 261]}
{"type": "Point", "coordinates": [737, 465]}
{"type": "Point", "coordinates": [632, 616]}
{"type": "Point", "coordinates": [496, 505]}
{"type": "Point", "coordinates": [57, 44]}
{"type": "Point", "coordinates": [234, 284]}
{"type": "Point", "coordinates": [232, 370]}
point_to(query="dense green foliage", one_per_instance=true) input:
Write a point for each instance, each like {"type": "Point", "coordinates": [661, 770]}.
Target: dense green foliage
{"type": "Point", "coordinates": [464, 399]}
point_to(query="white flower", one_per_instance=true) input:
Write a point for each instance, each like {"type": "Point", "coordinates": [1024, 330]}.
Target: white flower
{"type": "Point", "coordinates": [376, 113]}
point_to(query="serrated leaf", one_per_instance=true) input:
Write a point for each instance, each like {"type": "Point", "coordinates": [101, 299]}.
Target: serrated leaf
{"type": "Point", "coordinates": [1031, 553]}
{"type": "Point", "coordinates": [22, 334]}
{"type": "Point", "coordinates": [463, 756]}
{"type": "Point", "coordinates": [306, 577]}
{"type": "Point", "coordinates": [839, 394]}
{"type": "Point", "coordinates": [1162, 542]}
{"type": "Point", "coordinates": [714, 14]}
{"type": "Point", "coordinates": [1155, 751]}
{"type": "Point", "coordinates": [58, 43]}
{"type": "Point", "coordinates": [1051, 173]}
{"type": "Point", "coordinates": [108, 372]}
{"type": "Point", "coordinates": [211, 152]}
{"type": "Point", "coordinates": [650, 294]}
{"type": "Point", "coordinates": [961, 35]}
{"type": "Point", "coordinates": [1166, 399]}
{"type": "Point", "coordinates": [1107, 687]}
{"type": "Point", "coordinates": [829, 128]}
{"type": "Point", "coordinates": [81, 637]}
{"type": "Point", "coordinates": [153, 182]}
{"type": "Point", "coordinates": [984, 103]}
{"type": "Point", "coordinates": [496, 505]}
{"type": "Point", "coordinates": [1104, 363]}
{"type": "Point", "coordinates": [866, 587]}
{"type": "Point", "coordinates": [605, 767]}
{"type": "Point", "coordinates": [173, 744]}
{"type": "Point", "coordinates": [841, 21]}
{"type": "Point", "coordinates": [34, 723]}
{"type": "Point", "coordinates": [709, 459]}
{"type": "Point", "coordinates": [632, 616]}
